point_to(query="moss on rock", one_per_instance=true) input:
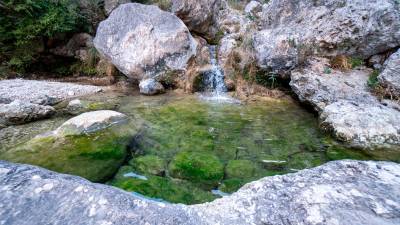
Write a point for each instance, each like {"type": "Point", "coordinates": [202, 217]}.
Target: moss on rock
{"type": "Point", "coordinates": [149, 164]}
{"type": "Point", "coordinates": [231, 185]}
{"type": "Point", "coordinates": [199, 167]}
{"type": "Point", "coordinates": [167, 189]}
{"type": "Point", "coordinates": [95, 157]}
{"type": "Point", "coordinates": [240, 169]}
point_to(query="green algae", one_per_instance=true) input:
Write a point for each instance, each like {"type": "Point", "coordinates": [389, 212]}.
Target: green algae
{"type": "Point", "coordinates": [172, 190]}
{"type": "Point", "coordinates": [250, 141]}
{"type": "Point", "coordinates": [149, 164]}
{"type": "Point", "coordinates": [240, 169]}
{"type": "Point", "coordinates": [199, 167]}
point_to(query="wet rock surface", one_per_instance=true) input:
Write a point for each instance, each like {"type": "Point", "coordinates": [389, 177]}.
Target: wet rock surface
{"type": "Point", "coordinates": [143, 41]}
{"type": "Point", "coordinates": [340, 192]}
{"type": "Point", "coordinates": [346, 106]}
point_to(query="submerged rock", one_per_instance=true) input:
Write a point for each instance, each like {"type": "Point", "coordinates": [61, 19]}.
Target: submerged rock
{"type": "Point", "coordinates": [18, 112]}
{"type": "Point", "coordinates": [149, 164]}
{"type": "Point", "coordinates": [390, 76]}
{"type": "Point", "coordinates": [143, 41]}
{"type": "Point", "coordinates": [346, 106]}
{"type": "Point", "coordinates": [292, 30]}
{"type": "Point", "coordinates": [90, 145]}
{"type": "Point", "coordinates": [340, 192]}
{"type": "Point", "coordinates": [90, 122]}
{"type": "Point", "coordinates": [151, 87]}
{"type": "Point", "coordinates": [198, 167]}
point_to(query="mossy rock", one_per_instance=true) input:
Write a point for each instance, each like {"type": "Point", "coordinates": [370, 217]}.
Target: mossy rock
{"type": "Point", "coordinates": [149, 164]}
{"type": "Point", "coordinates": [165, 188]}
{"type": "Point", "coordinates": [95, 157]}
{"type": "Point", "coordinates": [231, 185]}
{"type": "Point", "coordinates": [240, 169]}
{"type": "Point", "coordinates": [199, 167]}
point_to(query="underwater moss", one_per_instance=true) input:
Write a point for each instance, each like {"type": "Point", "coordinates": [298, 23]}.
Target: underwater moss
{"type": "Point", "coordinates": [95, 157]}
{"type": "Point", "coordinates": [240, 169]}
{"type": "Point", "coordinates": [198, 167]}
{"type": "Point", "coordinates": [231, 185]}
{"type": "Point", "coordinates": [149, 164]}
{"type": "Point", "coordinates": [175, 191]}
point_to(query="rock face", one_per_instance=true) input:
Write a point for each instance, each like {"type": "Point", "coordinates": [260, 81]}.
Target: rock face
{"type": "Point", "coordinates": [346, 106]}
{"type": "Point", "coordinates": [340, 192]}
{"type": "Point", "coordinates": [90, 122]}
{"type": "Point", "coordinates": [390, 76]}
{"type": "Point", "coordinates": [143, 41]}
{"type": "Point", "coordinates": [294, 29]}
{"type": "Point", "coordinates": [18, 112]}
{"type": "Point", "coordinates": [198, 15]}
{"type": "Point", "coordinates": [151, 87]}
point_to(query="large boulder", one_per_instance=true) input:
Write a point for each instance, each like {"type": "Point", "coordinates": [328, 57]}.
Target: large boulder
{"type": "Point", "coordinates": [293, 29]}
{"type": "Point", "coordinates": [346, 106]}
{"type": "Point", "coordinates": [198, 15]}
{"type": "Point", "coordinates": [340, 192]}
{"type": "Point", "coordinates": [143, 41]}
{"type": "Point", "coordinates": [19, 112]}
{"type": "Point", "coordinates": [92, 145]}
{"type": "Point", "coordinates": [390, 76]}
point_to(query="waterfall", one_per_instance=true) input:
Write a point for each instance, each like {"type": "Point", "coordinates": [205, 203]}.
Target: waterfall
{"type": "Point", "coordinates": [213, 79]}
{"type": "Point", "coordinates": [214, 88]}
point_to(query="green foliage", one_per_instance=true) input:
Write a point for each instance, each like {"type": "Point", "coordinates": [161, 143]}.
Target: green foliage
{"type": "Point", "coordinates": [355, 62]}
{"type": "Point", "coordinates": [26, 24]}
{"type": "Point", "coordinates": [373, 79]}
{"type": "Point", "coordinates": [327, 70]}
{"type": "Point", "coordinates": [267, 80]}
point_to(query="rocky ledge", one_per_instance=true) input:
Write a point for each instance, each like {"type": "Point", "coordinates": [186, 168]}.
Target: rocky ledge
{"type": "Point", "coordinates": [346, 106]}
{"type": "Point", "coordinates": [22, 101]}
{"type": "Point", "coordinates": [340, 192]}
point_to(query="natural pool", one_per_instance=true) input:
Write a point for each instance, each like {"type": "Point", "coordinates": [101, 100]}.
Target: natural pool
{"type": "Point", "coordinates": [186, 150]}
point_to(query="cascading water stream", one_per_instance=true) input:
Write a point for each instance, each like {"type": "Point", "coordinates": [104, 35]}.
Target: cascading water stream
{"type": "Point", "coordinates": [214, 88]}
{"type": "Point", "coordinates": [214, 78]}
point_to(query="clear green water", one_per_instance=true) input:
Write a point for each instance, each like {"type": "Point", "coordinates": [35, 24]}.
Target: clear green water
{"type": "Point", "coordinates": [181, 149]}
{"type": "Point", "coordinates": [189, 147]}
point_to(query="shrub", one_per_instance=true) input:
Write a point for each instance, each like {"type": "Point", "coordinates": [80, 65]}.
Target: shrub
{"type": "Point", "coordinates": [26, 25]}
{"type": "Point", "coordinates": [373, 79]}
